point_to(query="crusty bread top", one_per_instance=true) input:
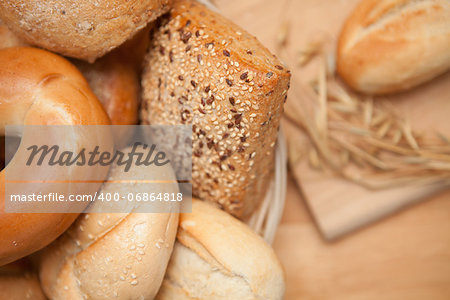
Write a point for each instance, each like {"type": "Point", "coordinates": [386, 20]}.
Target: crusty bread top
{"type": "Point", "coordinates": [206, 71]}
{"type": "Point", "coordinates": [391, 45]}
{"type": "Point", "coordinates": [231, 246]}
{"type": "Point", "coordinates": [115, 255]}
{"type": "Point", "coordinates": [81, 29]}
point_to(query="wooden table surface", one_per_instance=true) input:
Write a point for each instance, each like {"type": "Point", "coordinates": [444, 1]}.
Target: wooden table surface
{"type": "Point", "coordinates": [405, 256]}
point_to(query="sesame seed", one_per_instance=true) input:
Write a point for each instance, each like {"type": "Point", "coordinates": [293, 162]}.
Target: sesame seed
{"type": "Point", "coordinates": [185, 36]}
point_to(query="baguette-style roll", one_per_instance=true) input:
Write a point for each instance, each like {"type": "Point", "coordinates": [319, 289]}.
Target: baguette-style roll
{"type": "Point", "coordinates": [392, 45]}
{"type": "Point", "coordinates": [81, 29]}
{"type": "Point", "coordinates": [204, 70]}
{"type": "Point", "coordinates": [113, 255]}
{"type": "Point", "coordinates": [218, 257]}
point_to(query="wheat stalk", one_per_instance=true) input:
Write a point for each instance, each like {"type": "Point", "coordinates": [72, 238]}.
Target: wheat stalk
{"type": "Point", "coordinates": [366, 141]}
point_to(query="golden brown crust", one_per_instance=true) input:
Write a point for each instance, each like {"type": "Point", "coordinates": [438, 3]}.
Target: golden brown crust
{"type": "Point", "coordinates": [80, 29]}
{"type": "Point", "coordinates": [9, 39]}
{"type": "Point", "coordinates": [115, 81]}
{"type": "Point", "coordinates": [205, 70]}
{"type": "Point", "coordinates": [113, 78]}
{"type": "Point", "coordinates": [40, 88]}
{"type": "Point", "coordinates": [389, 46]}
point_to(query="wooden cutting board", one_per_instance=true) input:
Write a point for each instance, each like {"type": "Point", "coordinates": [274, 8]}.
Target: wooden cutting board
{"type": "Point", "coordinates": [338, 206]}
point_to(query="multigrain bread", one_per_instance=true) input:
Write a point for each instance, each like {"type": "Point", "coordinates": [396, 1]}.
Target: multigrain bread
{"type": "Point", "coordinates": [218, 257]}
{"type": "Point", "coordinates": [204, 70]}
{"type": "Point", "coordinates": [392, 45]}
{"type": "Point", "coordinates": [19, 282]}
{"type": "Point", "coordinates": [113, 255]}
{"type": "Point", "coordinates": [81, 29]}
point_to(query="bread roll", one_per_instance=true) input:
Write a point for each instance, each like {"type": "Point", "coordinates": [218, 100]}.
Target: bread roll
{"type": "Point", "coordinates": [81, 29]}
{"type": "Point", "coordinates": [40, 88]}
{"type": "Point", "coordinates": [392, 45]}
{"type": "Point", "coordinates": [204, 70]}
{"type": "Point", "coordinates": [218, 257]}
{"type": "Point", "coordinates": [19, 282]}
{"type": "Point", "coordinates": [9, 39]}
{"type": "Point", "coordinates": [115, 81]}
{"type": "Point", "coordinates": [114, 78]}
{"type": "Point", "coordinates": [113, 255]}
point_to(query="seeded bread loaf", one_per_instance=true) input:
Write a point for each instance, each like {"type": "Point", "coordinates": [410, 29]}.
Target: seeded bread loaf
{"type": "Point", "coordinates": [204, 70]}
{"type": "Point", "coordinates": [392, 45]}
{"type": "Point", "coordinates": [218, 257]}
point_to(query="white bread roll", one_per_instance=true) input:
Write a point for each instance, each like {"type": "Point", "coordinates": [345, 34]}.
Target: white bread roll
{"type": "Point", "coordinates": [81, 29]}
{"type": "Point", "coordinates": [112, 256]}
{"type": "Point", "coordinates": [392, 45]}
{"type": "Point", "coordinates": [218, 257]}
